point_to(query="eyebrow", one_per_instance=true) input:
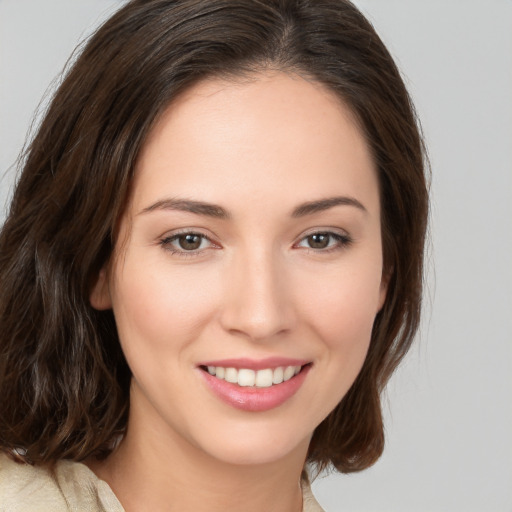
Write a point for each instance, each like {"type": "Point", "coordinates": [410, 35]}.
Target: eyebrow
{"type": "Point", "coordinates": [218, 212]}
{"type": "Point", "coordinates": [188, 205]}
{"type": "Point", "coordinates": [321, 205]}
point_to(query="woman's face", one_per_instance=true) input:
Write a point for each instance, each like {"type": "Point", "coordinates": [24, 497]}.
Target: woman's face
{"type": "Point", "coordinates": [251, 249]}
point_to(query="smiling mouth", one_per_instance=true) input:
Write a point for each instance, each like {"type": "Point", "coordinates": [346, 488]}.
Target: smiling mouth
{"type": "Point", "coordinates": [245, 377]}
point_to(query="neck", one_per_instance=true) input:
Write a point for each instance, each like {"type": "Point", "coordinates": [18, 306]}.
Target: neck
{"type": "Point", "coordinates": [160, 470]}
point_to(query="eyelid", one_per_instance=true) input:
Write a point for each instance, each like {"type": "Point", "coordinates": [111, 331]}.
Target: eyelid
{"type": "Point", "coordinates": [187, 231]}
{"type": "Point", "coordinates": [327, 230]}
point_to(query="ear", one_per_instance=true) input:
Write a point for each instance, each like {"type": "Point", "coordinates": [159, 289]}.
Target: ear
{"type": "Point", "coordinates": [384, 283]}
{"type": "Point", "coordinates": [100, 291]}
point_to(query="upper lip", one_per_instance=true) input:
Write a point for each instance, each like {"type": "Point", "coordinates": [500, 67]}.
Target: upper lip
{"type": "Point", "coordinates": [256, 364]}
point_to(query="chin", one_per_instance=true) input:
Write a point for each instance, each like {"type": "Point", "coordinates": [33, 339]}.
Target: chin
{"type": "Point", "coordinates": [248, 448]}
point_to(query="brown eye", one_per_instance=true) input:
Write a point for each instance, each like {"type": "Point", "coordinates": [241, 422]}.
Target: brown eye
{"type": "Point", "coordinates": [190, 241]}
{"type": "Point", "coordinates": [325, 241]}
{"type": "Point", "coordinates": [186, 243]}
{"type": "Point", "coordinates": [319, 240]}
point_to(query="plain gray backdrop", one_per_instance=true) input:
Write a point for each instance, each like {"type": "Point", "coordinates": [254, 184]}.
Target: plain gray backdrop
{"type": "Point", "coordinates": [449, 407]}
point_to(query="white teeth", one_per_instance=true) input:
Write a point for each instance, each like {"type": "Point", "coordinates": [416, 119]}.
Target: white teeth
{"type": "Point", "coordinates": [250, 378]}
{"type": "Point", "coordinates": [264, 378]}
{"type": "Point", "coordinates": [231, 375]}
{"type": "Point", "coordinates": [289, 372]}
{"type": "Point", "coordinates": [278, 375]}
{"type": "Point", "coordinates": [246, 377]}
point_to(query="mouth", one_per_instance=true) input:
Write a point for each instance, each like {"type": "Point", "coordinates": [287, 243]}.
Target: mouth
{"type": "Point", "coordinates": [247, 377]}
{"type": "Point", "coordinates": [255, 385]}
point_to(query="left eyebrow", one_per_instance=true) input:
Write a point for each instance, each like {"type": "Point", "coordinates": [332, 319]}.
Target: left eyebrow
{"type": "Point", "coordinates": [325, 204]}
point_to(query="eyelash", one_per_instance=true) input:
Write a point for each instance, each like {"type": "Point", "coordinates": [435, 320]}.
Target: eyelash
{"type": "Point", "coordinates": [342, 241]}
{"type": "Point", "coordinates": [167, 241]}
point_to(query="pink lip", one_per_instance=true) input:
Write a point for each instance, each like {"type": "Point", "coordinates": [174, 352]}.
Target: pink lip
{"type": "Point", "coordinates": [251, 398]}
{"type": "Point", "coordinates": [252, 364]}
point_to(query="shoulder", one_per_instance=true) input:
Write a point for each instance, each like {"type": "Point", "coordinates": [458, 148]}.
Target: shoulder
{"type": "Point", "coordinates": [309, 503]}
{"type": "Point", "coordinates": [69, 486]}
{"type": "Point", "coordinates": [25, 487]}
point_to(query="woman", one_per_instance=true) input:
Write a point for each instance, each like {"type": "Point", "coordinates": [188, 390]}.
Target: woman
{"type": "Point", "coordinates": [212, 262]}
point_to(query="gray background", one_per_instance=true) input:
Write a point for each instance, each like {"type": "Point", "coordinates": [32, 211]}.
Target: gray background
{"type": "Point", "coordinates": [449, 407]}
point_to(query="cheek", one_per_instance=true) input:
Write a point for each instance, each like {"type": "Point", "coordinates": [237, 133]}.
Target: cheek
{"type": "Point", "coordinates": [157, 310]}
{"type": "Point", "coordinates": [343, 313]}
{"type": "Point", "coordinates": [341, 316]}
{"type": "Point", "coordinates": [344, 308]}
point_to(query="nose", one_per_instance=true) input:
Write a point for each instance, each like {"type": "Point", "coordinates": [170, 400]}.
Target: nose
{"type": "Point", "coordinates": [258, 300]}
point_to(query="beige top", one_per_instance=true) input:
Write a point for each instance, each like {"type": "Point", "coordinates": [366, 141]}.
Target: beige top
{"type": "Point", "coordinates": [70, 487]}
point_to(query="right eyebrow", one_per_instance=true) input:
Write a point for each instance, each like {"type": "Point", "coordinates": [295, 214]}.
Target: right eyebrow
{"type": "Point", "coordinates": [188, 205]}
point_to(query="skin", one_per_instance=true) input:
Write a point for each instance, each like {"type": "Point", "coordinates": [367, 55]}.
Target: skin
{"type": "Point", "coordinates": [258, 148]}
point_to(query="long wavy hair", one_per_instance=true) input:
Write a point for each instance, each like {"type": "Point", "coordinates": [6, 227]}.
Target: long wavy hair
{"type": "Point", "coordinates": [64, 382]}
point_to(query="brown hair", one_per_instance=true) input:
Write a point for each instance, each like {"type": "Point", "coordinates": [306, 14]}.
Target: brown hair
{"type": "Point", "coordinates": [64, 382]}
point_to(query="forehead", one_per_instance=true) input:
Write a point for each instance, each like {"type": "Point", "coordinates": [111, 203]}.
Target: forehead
{"type": "Point", "coordinates": [272, 133]}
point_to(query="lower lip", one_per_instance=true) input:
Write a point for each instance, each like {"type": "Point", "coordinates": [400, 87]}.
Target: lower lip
{"type": "Point", "coordinates": [255, 399]}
